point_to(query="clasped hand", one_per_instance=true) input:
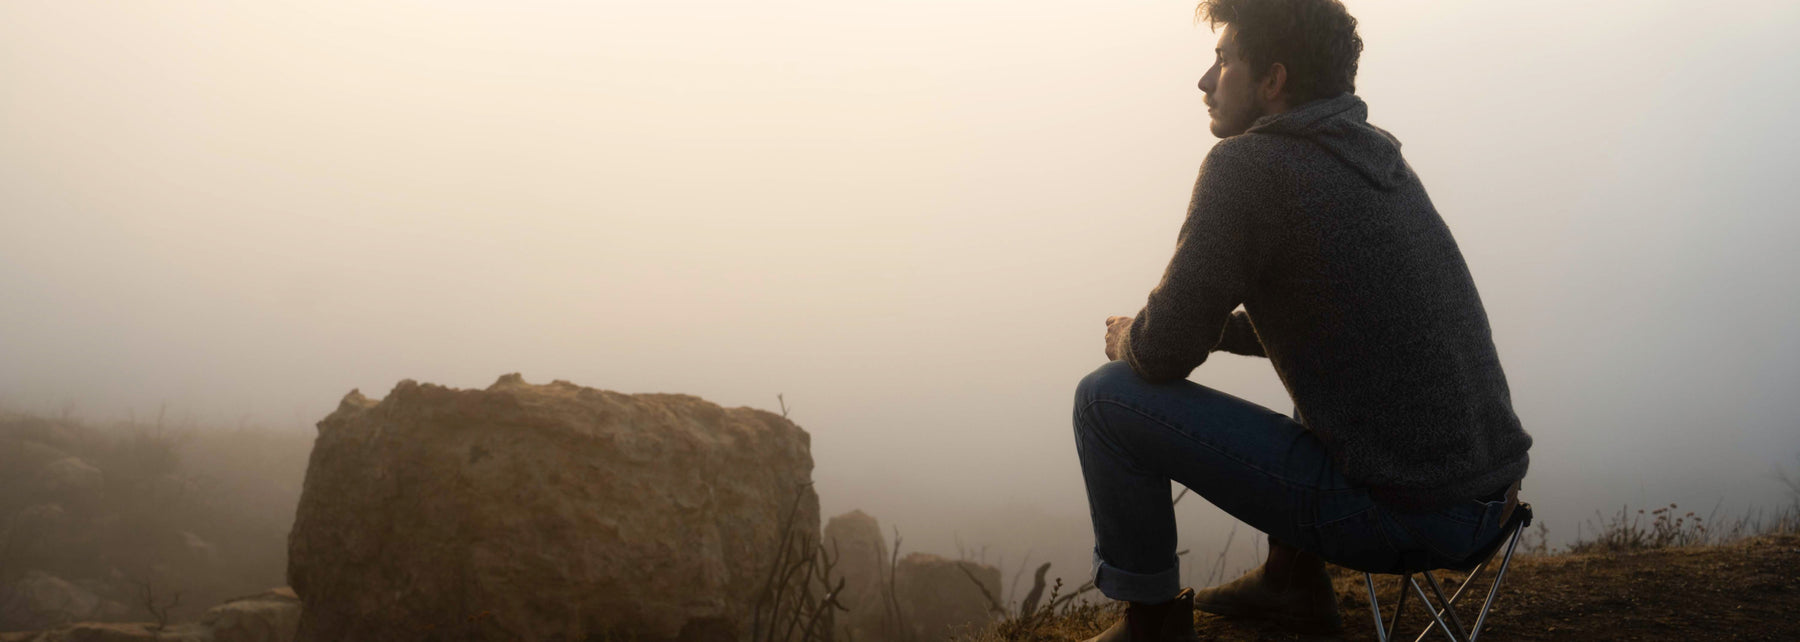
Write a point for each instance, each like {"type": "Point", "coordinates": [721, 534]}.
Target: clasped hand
{"type": "Point", "coordinates": [1115, 329]}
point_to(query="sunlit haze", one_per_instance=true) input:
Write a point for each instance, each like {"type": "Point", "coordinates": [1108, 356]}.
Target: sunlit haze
{"type": "Point", "coordinates": [909, 218]}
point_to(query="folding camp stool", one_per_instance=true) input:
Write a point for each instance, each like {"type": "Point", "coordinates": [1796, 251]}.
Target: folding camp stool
{"type": "Point", "coordinates": [1443, 613]}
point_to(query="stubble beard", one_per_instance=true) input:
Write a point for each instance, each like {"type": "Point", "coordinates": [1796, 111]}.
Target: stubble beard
{"type": "Point", "coordinates": [1231, 122]}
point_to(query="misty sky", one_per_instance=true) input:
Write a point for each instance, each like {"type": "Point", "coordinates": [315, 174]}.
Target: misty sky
{"type": "Point", "coordinates": [911, 217]}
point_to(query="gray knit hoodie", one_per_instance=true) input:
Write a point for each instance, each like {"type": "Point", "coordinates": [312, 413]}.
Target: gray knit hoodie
{"type": "Point", "coordinates": [1355, 290]}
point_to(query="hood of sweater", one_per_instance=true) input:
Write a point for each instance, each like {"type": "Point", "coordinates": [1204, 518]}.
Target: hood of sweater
{"type": "Point", "coordinates": [1341, 127]}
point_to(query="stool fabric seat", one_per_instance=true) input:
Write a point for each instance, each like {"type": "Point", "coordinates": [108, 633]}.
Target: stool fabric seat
{"type": "Point", "coordinates": [1443, 613]}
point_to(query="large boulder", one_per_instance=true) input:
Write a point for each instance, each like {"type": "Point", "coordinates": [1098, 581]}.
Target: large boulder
{"type": "Point", "coordinates": [543, 512]}
{"type": "Point", "coordinates": [862, 560]}
{"type": "Point", "coordinates": [940, 598]}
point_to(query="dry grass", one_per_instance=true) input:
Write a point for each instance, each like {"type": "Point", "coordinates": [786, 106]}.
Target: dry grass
{"type": "Point", "coordinates": [1669, 527]}
{"type": "Point", "coordinates": [1060, 618]}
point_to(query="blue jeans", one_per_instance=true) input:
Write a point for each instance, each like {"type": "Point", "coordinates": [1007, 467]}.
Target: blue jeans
{"type": "Point", "coordinates": [1260, 466]}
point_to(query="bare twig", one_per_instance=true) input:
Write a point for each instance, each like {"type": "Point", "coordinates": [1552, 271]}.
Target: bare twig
{"type": "Point", "coordinates": [1217, 573]}
{"type": "Point", "coordinates": [894, 619]}
{"type": "Point", "coordinates": [1013, 588]}
{"type": "Point", "coordinates": [787, 608]}
{"type": "Point", "coordinates": [1085, 587]}
{"type": "Point", "coordinates": [161, 613]}
{"type": "Point", "coordinates": [993, 604]}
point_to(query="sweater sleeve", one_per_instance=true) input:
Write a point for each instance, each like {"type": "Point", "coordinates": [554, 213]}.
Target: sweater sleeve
{"type": "Point", "coordinates": [1217, 256]}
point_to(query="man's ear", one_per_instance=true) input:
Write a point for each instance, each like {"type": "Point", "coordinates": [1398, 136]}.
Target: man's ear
{"type": "Point", "coordinates": [1273, 85]}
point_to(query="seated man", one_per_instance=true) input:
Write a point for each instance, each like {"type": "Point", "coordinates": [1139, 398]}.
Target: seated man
{"type": "Point", "coordinates": [1404, 442]}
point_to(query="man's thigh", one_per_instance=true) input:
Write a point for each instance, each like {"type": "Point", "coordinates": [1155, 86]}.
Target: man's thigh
{"type": "Point", "coordinates": [1259, 465]}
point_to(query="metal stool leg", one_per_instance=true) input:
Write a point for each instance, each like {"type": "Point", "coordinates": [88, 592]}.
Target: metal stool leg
{"type": "Point", "coordinates": [1466, 583]}
{"type": "Point", "coordinates": [1435, 615]}
{"type": "Point", "coordinates": [1375, 607]}
{"type": "Point", "coordinates": [1384, 632]}
{"type": "Point", "coordinates": [1498, 577]}
{"type": "Point", "coordinates": [1399, 605]}
{"type": "Point", "coordinates": [1448, 604]}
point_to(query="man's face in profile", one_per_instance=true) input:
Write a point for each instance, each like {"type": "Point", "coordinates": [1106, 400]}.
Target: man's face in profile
{"type": "Point", "coordinates": [1230, 88]}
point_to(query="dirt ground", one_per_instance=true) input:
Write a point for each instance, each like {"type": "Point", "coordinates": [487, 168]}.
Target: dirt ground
{"type": "Point", "coordinates": [1744, 591]}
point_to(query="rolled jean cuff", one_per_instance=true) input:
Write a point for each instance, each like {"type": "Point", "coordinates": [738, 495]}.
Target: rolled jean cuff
{"type": "Point", "coordinates": [1144, 588]}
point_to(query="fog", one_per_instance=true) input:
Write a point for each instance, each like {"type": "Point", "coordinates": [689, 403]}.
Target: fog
{"type": "Point", "coordinates": [909, 218]}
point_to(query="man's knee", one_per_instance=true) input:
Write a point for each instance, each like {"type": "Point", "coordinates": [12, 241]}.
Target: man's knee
{"type": "Point", "coordinates": [1113, 376]}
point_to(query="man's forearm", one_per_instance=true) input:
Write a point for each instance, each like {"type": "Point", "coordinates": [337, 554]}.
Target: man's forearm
{"type": "Point", "coordinates": [1220, 251]}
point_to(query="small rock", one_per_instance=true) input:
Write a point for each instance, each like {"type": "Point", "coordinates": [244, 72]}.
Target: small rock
{"type": "Point", "coordinates": [863, 563]}
{"type": "Point", "coordinates": [940, 599]}
{"type": "Point", "coordinates": [271, 616]}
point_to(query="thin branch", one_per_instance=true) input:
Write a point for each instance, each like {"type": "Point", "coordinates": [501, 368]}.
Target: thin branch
{"type": "Point", "coordinates": [993, 604]}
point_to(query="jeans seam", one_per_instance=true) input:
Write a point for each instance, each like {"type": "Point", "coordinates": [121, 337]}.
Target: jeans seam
{"type": "Point", "coordinates": [1328, 522]}
{"type": "Point", "coordinates": [1466, 522]}
{"type": "Point", "coordinates": [1290, 484]}
{"type": "Point", "coordinates": [1381, 531]}
{"type": "Point", "coordinates": [1116, 450]}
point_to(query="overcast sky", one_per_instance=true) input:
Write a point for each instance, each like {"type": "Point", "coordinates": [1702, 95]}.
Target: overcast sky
{"type": "Point", "coordinates": [910, 217]}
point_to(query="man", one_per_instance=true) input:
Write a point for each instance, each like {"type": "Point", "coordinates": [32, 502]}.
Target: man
{"type": "Point", "coordinates": [1404, 444]}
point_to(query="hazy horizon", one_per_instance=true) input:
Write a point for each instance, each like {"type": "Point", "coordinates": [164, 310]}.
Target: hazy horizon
{"type": "Point", "coordinates": [909, 218]}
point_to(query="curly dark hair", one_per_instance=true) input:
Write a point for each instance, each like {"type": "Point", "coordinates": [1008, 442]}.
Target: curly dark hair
{"type": "Point", "coordinates": [1314, 39]}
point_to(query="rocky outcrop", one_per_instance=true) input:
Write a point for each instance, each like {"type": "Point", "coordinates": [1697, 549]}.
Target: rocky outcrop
{"type": "Point", "coordinates": [71, 480]}
{"type": "Point", "coordinates": [542, 512]}
{"type": "Point", "coordinates": [115, 632]}
{"type": "Point", "coordinates": [862, 560]}
{"type": "Point", "coordinates": [272, 616]}
{"type": "Point", "coordinates": [940, 599]}
{"type": "Point", "coordinates": [40, 599]}
{"type": "Point", "coordinates": [28, 454]}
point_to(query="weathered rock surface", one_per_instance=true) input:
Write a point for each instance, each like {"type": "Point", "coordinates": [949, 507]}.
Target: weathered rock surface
{"type": "Point", "coordinates": [71, 479]}
{"type": "Point", "coordinates": [272, 616]}
{"type": "Point", "coordinates": [862, 559]}
{"type": "Point", "coordinates": [939, 598]}
{"type": "Point", "coordinates": [542, 512]}
{"type": "Point", "coordinates": [27, 454]}
{"type": "Point", "coordinates": [115, 632]}
{"type": "Point", "coordinates": [40, 599]}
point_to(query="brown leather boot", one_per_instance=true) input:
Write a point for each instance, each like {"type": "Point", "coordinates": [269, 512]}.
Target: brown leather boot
{"type": "Point", "coordinates": [1171, 621]}
{"type": "Point", "coordinates": [1305, 604]}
